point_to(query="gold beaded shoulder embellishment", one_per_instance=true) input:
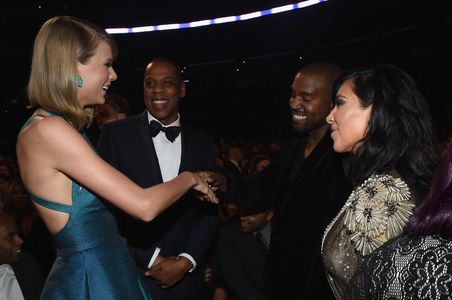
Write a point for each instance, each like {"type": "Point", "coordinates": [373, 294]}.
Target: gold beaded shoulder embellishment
{"type": "Point", "coordinates": [377, 211]}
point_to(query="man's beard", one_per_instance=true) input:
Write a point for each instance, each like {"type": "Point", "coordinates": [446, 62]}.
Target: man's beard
{"type": "Point", "coordinates": [300, 130]}
{"type": "Point", "coordinates": [307, 127]}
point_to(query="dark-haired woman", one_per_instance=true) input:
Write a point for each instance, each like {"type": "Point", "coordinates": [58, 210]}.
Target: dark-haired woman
{"type": "Point", "coordinates": [382, 121]}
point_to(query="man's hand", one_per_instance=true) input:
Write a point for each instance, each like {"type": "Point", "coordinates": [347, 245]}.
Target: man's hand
{"type": "Point", "coordinates": [169, 271]}
{"type": "Point", "coordinates": [216, 180]}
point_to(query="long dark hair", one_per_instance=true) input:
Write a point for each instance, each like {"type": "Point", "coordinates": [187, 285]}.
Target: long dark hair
{"type": "Point", "coordinates": [434, 216]}
{"type": "Point", "coordinates": [400, 132]}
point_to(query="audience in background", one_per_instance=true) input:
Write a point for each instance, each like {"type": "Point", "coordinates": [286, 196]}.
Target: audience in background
{"type": "Point", "coordinates": [230, 217]}
{"type": "Point", "coordinates": [5, 182]}
{"type": "Point", "coordinates": [10, 249]}
{"type": "Point", "coordinates": [233, 160]}
{"type": "Point", "coordinates": [38, 241]}
{"type": "Point", "coordinates": [19, 205]}
{"type": "Point", "coordinates": [243, 246]}
{"type": "Point", "coordinates": [258, 163]}
{"type": "Point", "coordinates": [115, 108]}
{"type": "Point", "coordinates": [5, 169]}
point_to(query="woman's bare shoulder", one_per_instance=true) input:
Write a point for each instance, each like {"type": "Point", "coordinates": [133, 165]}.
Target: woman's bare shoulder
{"type": "Point", "coordinates": [43, 130]}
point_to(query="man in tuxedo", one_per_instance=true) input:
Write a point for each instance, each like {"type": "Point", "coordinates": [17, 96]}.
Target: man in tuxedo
{"type": "Point", "coordinates": [10, 248]}
{"type": "Point", "coordinates": [233, 159]}
{"type": "Point", "coordinates": [19, 275]}
{"type": "Point", "coordinates": [308, 184]}
{"type": "Point", "coordinates": [151, 148]}
{"type": "Point", "coordinates": [243, 244]}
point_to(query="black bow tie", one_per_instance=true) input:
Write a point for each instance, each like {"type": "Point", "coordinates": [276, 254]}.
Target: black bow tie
{"type": "Point", "coordinates": [171, 132]}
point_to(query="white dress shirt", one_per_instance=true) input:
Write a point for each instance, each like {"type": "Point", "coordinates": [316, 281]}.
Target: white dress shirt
{"type": "Point", "coordinates": [9, 287]}
{"type": "Point", "coordinates": [169, 156]}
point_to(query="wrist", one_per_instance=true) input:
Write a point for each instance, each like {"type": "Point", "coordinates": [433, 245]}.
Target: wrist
{"type": "Point", "coordinates": [190, 178]}
{"type": "Point", "coordinates": [186, 263]}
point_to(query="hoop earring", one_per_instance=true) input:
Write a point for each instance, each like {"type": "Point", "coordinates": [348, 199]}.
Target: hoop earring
{"type": "Point", "coordinates": [78, 81]}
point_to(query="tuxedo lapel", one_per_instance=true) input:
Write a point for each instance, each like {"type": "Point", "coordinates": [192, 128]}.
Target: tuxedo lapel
{"type": "Point", "coordinates": [317, 156]}
{"type": "Point", "coordinates": [287, 165]}
{"type": "Point", "coordinates": [310, 165]}
{"type": "Point", "coordinates": [150, 162]}
{"type": "Point", "coordinates": [186, 148]}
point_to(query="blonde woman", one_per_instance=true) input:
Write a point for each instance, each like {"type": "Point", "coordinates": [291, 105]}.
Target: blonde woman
{"type": "Point", "coordinates": [71, 71]}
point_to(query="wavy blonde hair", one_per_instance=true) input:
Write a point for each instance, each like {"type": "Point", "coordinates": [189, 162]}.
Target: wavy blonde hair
{"type": "Point", "coordinates": [62, 42]}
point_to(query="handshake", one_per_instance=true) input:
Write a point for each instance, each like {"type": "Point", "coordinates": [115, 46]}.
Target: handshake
{"type": "Point", "coordinates": [208, 183]}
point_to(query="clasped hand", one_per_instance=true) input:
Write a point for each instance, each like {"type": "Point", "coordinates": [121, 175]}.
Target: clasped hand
{"type": "Point", "coordinates": [168, 271]}
{"type": "Point", "coordinates": [216, 181]}
{"type": "Point", "coordinates": [210, 182]}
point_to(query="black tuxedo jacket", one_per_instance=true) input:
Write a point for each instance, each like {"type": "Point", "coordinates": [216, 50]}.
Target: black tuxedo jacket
{"type": "Point", "coordinates": [30, 276]}
{"type": "Point", "coordinates": [241, 262]}
{"type": "Point", "coordinates": [304, 206]}
{"type": "Point", "coordinates": [189, 225]}
{"type": "Point", "coordinates": [229, 167]}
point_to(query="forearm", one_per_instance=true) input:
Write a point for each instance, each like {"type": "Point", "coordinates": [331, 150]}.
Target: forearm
{"type": "Point", "coordinates": [161, 196]}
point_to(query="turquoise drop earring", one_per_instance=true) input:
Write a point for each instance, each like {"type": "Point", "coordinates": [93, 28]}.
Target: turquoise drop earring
{"type": "Point", "coordinates": [79, 80]}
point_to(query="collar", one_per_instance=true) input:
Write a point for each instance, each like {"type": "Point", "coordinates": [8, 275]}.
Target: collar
{"type": "Point", "coordinates": [235, 164]}
{"type": "Point", "coordinates": [266, 232]}
{"type": "Point", "coordinates": [151, 117]}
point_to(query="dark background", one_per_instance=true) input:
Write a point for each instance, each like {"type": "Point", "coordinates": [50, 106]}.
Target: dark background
{"type": "Point", "coordinates": [239, 74]}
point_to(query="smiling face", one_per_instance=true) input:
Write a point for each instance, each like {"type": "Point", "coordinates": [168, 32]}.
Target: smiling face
{"type": "Point", "coordinates": [97, 75]}
{"type": "Point", "coordinates": [348, 120]}
{"type": "Point", "coordinates": [163, 90]}
{"type": "Point", "coordinates": [255, 222]}
{"type": "Point", "coordinates": [104, 114]}
{"type": "Point", "coordinates": [10, 242]}
{"type": "Point", "coordinates": [19, 197]}
{"type": "Point", "coordinates": [310, 102]}
{"type": "Point", "coordinates": [262, 165]}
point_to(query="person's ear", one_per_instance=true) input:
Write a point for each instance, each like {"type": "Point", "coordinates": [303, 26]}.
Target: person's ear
{"type": "Point", "coordinates": [182, 89]}
{"type": "Point", "coordinates": [269, 216]}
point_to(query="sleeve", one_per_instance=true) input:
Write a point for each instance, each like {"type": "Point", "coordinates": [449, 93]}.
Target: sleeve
{"type": "Point", "coordinates": [106, 147]}
{"type": "Point", "coordinates": [144, 258]}
{"type": "Point", "coordinates": [196, 221]}
{"type": "Point", "coordinates": [231, 268]}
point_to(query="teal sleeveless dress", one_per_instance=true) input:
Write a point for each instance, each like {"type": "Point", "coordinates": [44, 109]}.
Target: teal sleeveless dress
{"type": "Point", "coordinates": [93, 261]}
